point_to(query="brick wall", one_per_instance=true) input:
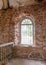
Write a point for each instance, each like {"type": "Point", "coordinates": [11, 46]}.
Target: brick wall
{"type": "Point", "coordinates": [9, 24]}
{"type": "Point", "coordinates": [38, 14]}
{"type": "Point", "coordinates": [6, 26]}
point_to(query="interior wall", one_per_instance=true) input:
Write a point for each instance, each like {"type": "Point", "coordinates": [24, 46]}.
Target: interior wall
{"type": "Point", "coordinates": [37, 14]}
{"type": "Point", "coordinates": [6, 26]}
{"type": "Point", "coordinates": [17, 3]}
{"type": "Point", "coordinates": [9, 25]}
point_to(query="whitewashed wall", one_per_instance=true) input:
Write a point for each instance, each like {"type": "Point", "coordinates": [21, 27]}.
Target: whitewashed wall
{"type": "Point", "coordinates": [1, 4]}
{"type": "Point", "coordinates": [23, 2]}
{"type": "Point", "coordinates": [15, 3]}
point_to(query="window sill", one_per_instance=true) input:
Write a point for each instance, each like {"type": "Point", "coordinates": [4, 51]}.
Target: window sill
{"type": "Point", "coordinates": [25, 45]}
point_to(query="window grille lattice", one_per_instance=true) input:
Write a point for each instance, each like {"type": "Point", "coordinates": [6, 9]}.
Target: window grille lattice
{"type": "Point", "coordinates": [27, 32]}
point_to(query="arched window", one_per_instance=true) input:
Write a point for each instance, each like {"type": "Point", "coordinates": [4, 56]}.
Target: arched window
{"type": "Point", "coordinates": [27, 32]}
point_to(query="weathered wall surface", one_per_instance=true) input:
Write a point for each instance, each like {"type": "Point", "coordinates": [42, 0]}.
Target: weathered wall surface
{"type": "Point", "coordinates": [38, 15]}
{"type": "Point", "coordinates": [17, 3]}
{"type": "Point", "coordinates": [9, 25]}
{"type": "Point", "coordinates": [5, 26]}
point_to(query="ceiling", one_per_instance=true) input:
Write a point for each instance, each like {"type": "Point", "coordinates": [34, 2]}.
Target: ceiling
{"type": "Point", "coordinates": [16, 3]}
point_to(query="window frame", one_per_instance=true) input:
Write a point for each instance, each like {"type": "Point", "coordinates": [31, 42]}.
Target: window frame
{"type": "Point", "coordinates": [33, 31]}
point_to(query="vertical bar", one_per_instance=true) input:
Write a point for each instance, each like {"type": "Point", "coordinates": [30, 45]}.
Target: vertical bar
{"type": "Point", "coordinates": [1, 53]}
{"type": "Point", "coordinates": [5, 4]}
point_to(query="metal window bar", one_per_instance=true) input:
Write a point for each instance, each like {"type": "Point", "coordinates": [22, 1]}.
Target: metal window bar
{"type": "Point", "coordinates": [27, 22]}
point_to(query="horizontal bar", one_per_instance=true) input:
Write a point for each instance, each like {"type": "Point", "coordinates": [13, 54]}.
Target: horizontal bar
{"type": "Point", "coordinates": [26, 24]}
{"type": "Point", "coordinates": [6, 44]}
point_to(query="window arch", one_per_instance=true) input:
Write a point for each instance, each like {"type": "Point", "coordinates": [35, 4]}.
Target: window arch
{"type": "Point", "coordinates": [27, 32]}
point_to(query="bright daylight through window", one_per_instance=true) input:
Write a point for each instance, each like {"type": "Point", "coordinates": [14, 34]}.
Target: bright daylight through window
{"type": "Point", "coordinates": [27, 32]}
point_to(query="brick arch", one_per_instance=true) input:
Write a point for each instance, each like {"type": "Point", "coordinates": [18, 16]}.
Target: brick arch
{"type": "Point", "coordinates": [24, 15]}
{"type": "Point", "coordinates": [21, 16]}
{"type": "Point", "coordinates": [18, 20]}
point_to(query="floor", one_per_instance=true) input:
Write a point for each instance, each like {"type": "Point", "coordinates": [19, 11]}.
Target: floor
{"type": "Point", "coordinates": [18, 61]}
